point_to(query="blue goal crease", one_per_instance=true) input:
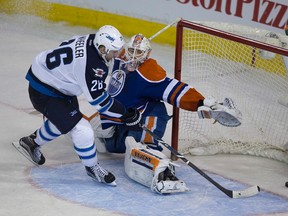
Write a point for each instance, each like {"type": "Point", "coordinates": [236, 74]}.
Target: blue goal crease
{"type": "Point", "coordinates": [70, 182]}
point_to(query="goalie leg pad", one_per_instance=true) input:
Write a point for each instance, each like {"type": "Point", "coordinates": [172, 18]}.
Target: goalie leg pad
{"type": "Point", "coordinates": [98, 130]}
{"type": "Point", "coordinates": [151, 168]}
{"type": "Point", "coordinates": [100, 134]}
{"type": "Point", "coordinates": [100, 145]}
{"type": "Point", "coordinates": [138, 165]}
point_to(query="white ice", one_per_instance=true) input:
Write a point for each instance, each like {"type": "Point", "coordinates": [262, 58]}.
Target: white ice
{"type": "Point", "coordinates": [21, 184]}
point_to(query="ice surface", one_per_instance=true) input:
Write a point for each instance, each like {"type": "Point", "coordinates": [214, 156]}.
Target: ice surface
{"type": "Point", "coordinates": [61, 187]}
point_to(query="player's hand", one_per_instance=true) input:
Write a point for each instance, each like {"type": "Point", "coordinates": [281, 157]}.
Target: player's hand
{"type": "Point", "coordinates": [204, 111]}
{"type": "Point", "coordinates": [132, 119]}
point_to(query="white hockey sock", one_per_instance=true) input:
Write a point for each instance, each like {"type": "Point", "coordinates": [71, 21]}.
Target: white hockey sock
{"type": "Point", "coordinates": [87, 155]}
{"type": "Point", "coordinates": [46, 133]}
{"type": "Point", "coordinates": [83, 138]}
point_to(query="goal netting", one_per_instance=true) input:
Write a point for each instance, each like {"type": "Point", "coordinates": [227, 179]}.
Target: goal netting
{"type": "Point", "coordinates": [246, 64]}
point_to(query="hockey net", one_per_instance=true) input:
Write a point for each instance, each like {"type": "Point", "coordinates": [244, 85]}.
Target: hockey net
{"type": "Point", "coordinates": [251, 68]}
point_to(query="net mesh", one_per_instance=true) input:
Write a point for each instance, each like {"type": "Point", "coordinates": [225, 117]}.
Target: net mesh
{"type": "Point", "coordinates": [255, 79]}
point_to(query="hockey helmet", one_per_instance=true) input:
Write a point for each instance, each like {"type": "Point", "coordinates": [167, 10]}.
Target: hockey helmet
{"type": "Point", "coordinates": [109, 37]}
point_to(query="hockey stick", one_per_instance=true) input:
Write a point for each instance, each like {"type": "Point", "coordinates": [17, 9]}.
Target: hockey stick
{"type": "Point", "coordinates": [251, 191]}
{"type": "Point", "coordinates": [164, 29]}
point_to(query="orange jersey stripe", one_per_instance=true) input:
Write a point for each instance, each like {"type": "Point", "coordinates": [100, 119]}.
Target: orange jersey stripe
{"type": "Point", "coordinates": [151, 123]}
{"type": "Point", "coordinates": [172, 98]}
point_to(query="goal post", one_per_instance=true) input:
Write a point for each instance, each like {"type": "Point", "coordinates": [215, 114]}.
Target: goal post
{"type": "Point", "coordinates": [246, 64]}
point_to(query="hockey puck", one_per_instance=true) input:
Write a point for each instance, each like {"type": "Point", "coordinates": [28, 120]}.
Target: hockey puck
{"type": "Point", "coordinates": [286, 184]}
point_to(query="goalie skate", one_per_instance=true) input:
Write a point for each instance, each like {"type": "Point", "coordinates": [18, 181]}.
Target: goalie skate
{"type": "Point", "coordinates": [168, 187]}
{"type": "Point", "coordinates": [168, 183]}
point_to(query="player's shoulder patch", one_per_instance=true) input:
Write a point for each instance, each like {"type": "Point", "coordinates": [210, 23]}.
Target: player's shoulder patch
{"type": "Point", "coordinates": [152, 71]}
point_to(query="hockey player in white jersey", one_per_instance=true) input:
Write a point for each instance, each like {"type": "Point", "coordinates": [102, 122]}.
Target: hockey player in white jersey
{"type": "Point", "coordinates": [56, 77]}
{"type": "Point", "coordinates": [140, 82]}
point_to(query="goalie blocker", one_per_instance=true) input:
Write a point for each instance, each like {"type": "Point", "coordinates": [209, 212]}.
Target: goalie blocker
{"type": "Point", "coordinates": [151, 168]}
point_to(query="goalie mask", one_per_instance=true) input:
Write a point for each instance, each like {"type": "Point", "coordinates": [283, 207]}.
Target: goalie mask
{"type": "Point", "coordinates": [109, 37]}
{"type": "Point", "coordinates": [137, 50]}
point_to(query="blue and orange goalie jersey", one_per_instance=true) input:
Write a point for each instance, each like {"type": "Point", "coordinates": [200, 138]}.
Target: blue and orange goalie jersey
{"type": "Point", "coordinates": [149, 83]}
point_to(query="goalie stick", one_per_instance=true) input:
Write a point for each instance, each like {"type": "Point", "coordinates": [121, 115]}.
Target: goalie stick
{"type": "Point", "coordinates": [251, 191]}
{"type": "Point", "coordinates": [164, 29]}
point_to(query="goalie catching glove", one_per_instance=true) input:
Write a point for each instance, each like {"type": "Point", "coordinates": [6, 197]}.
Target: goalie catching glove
{"type": "Point", "coordinates": [225, 113]}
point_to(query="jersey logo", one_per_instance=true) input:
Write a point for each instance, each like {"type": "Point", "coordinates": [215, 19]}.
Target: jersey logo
{"type": "Point", "coordinates": [109, 37]}
{"type": "Point", "coordinates": [74, 112]}
{"type": "Point", "coordinates": [116, 82]}
{"type": "Point", "coordinates": [98, 72]}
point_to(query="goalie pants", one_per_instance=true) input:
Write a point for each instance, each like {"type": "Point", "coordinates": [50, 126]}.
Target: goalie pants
{"type": "Point", "coordinates": [155, 118]}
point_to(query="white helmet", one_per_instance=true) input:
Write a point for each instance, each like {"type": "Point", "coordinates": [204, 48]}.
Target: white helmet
{"type": "Point", "coordinates": [109, 37]}
{"type": "Point", "coordinates": [137, 50]}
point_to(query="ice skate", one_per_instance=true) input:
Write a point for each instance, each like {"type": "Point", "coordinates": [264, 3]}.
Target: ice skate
{"type": "Point", "coordinates": [97, 173]}
{"type": "Point", "coordinates": [169, 183]}
{"type": "Point", "coordinates": [30, 149]}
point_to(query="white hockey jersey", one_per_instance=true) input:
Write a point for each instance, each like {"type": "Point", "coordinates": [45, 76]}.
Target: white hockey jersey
{"type": "Point", "coordinates": [72, 69]}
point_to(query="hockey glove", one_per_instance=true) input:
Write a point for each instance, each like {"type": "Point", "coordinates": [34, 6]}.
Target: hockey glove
{"type": "Point", "coordinates": [225, 113]}
{"type": "Point", "coordinates": [132, 119]}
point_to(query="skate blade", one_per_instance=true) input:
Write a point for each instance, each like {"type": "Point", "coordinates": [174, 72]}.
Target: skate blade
{"type": "Point", "coordinates": [23, 152]}
{"type": "Point", "coordinates": [113, 184]}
